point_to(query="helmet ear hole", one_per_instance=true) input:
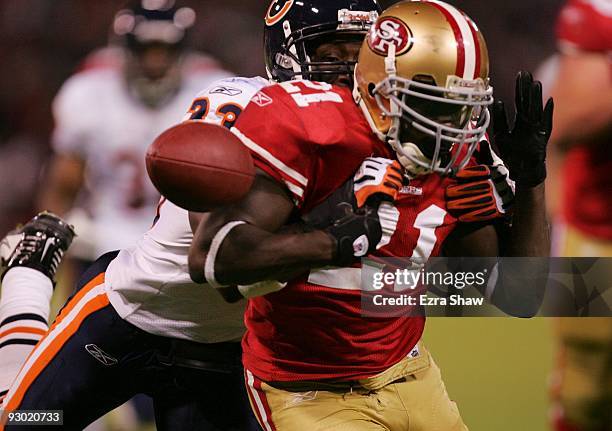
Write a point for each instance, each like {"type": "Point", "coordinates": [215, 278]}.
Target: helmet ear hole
{"type": "Point", "coordinates": [371, 87]}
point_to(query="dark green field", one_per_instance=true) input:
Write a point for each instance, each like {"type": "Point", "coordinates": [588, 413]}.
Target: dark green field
{"type": "Point", "coordinates": [496, 369]}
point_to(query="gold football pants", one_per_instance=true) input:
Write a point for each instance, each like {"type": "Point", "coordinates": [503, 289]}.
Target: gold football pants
{"type": "Point", "coordinates": [410, 396]}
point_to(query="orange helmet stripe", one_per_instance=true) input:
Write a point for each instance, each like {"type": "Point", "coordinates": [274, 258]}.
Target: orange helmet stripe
{"type": "Point", "coordinates": [271, 20]}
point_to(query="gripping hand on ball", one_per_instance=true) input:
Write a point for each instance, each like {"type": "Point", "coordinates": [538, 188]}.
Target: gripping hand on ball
{"type": "Point", "coordinates": [350, 215]}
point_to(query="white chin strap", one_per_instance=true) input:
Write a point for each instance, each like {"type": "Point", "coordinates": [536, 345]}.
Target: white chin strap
{"type": "Point", "coordinates": [297, 69]}
{"type": "Point", "coordinates": [412, 158]}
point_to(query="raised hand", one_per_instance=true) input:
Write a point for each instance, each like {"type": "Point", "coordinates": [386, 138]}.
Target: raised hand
{"type": "Point", "coordinates": [523, 147]}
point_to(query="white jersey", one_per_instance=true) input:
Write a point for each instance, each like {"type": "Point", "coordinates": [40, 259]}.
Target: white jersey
{"type": "Point", "coordinates": [98, 120]}
{"type": "Point", "coordinates": [148, 284]}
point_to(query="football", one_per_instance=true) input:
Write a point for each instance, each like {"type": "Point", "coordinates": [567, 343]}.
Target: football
{"type": "Point", "coordinates": [200, 166]}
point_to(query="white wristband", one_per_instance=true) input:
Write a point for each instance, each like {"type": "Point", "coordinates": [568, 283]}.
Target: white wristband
{"type": "Point", "coordinates": [261, 288]}
{"type": "Point", "coordinates": [209, 265]}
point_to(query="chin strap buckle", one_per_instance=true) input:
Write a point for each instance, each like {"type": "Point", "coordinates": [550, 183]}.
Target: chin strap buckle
{"type": "Point", "coordinates": [390, 66]}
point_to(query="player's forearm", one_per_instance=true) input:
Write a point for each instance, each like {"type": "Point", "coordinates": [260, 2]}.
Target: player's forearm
{"type": "Point", "coordinates": [582, 117]}
{"type": "Point", "coordinates": [249, 254]}
{"type": "Point", "coordinates": [583, 107]}
{"type": "Point", "coordinates": [56, 201]}
{"type": "Point", "coordinates": [64, 179]}
{"type": "Point", "coordinates": [590, 131]}
{"type": "Point", "coordinates": [529, 235]}
{"type": "Point", "coordinates": [521, 283]}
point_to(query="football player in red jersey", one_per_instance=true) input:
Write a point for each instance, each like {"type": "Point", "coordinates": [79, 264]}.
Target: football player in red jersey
{"type": "Point", "coordinates": [312, 361]}
{"type": "Point", "coordinates": [165, 364]}
{"type": "Point", "coordinates": [582, 379]}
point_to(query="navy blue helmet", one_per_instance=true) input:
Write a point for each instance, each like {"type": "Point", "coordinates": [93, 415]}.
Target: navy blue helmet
{"type": "Point", "coordinates": [148, 22]}
{"type": "Point", "coordinates": [294, 29]}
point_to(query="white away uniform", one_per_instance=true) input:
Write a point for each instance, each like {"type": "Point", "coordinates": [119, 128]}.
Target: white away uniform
{"type": "Point", "coordinates": [148, 284]}
{"type": "Point", "coordinates": [99, 120]}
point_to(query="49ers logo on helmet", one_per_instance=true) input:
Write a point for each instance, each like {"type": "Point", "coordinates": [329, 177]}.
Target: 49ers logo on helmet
{"type": "Point", "coordinates": [277, 10]}
{"type": "Point", "coordinates": [387, 32]}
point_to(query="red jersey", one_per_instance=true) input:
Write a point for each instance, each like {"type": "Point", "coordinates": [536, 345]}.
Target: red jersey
{"type": "Point", "coordinates": [586, 25]}
{"type": "Point", "coordinates": [312, 137]}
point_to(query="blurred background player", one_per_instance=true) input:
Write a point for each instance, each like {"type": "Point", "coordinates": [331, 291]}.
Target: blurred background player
{"type": "Point", "coordinates": [107, 115]}
{"type": "Point", "coordinates": [582, 89]}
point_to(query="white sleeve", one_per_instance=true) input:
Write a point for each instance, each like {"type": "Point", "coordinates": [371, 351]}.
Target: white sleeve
{"type": "Point", "coordinates": [223, 101]}
{"type": "Point", "coordinates": [74, 115]}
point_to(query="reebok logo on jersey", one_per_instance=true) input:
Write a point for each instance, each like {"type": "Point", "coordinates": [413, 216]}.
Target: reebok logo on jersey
{"type": "Point", "coordinates": [261, 99]}
{"type": "Point", "coordinates": [100, 355]}
{"type": "Point", "coordinates": [411, 190]}
{"type": "Point", "coordinates": [228, 91]}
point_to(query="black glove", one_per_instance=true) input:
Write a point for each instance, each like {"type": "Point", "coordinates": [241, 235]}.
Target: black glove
{"type": "Point", "coordinates": [523, 148]}
{"type": "Point", "coordinates": [482, 192]}
{"type": "Point", "coordinates": [357, 233]}
{"type": "Point", "coordinates": [377, 180]}
{"type": "Point", "coordinates": [350, 214]}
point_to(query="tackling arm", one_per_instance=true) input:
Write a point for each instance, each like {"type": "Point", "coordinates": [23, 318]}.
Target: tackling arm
{"type": "Point", "coordinates": [256, 250]}
{"type": "Point", "coordinates": [65, 178]}
{"type": "Point", "coordinates": [251, 242]}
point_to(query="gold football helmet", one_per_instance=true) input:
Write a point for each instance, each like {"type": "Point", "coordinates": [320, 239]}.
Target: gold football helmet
{"type": "Point", "coordinates": [422, 81]}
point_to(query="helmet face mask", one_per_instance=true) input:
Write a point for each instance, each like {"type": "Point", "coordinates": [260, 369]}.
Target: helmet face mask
{"type": "Point", "coordinates": [153, 73]}
{"type": "Point", "coordinates": [299, 52]}
{"type": "Point", "coordinates": [153, 34]}
{"type": "Point", "coordinates": [333, 59]}
{"type": "Point", "coordinates": [422, 88]}
{"type": "Point", "coordinates": [294, 31]}
{"type": "Point", "coordinates": [440, 120]}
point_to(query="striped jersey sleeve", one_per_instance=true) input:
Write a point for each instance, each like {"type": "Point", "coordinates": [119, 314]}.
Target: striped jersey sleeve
{"type": "Point", "coordinates": [271, 128]}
